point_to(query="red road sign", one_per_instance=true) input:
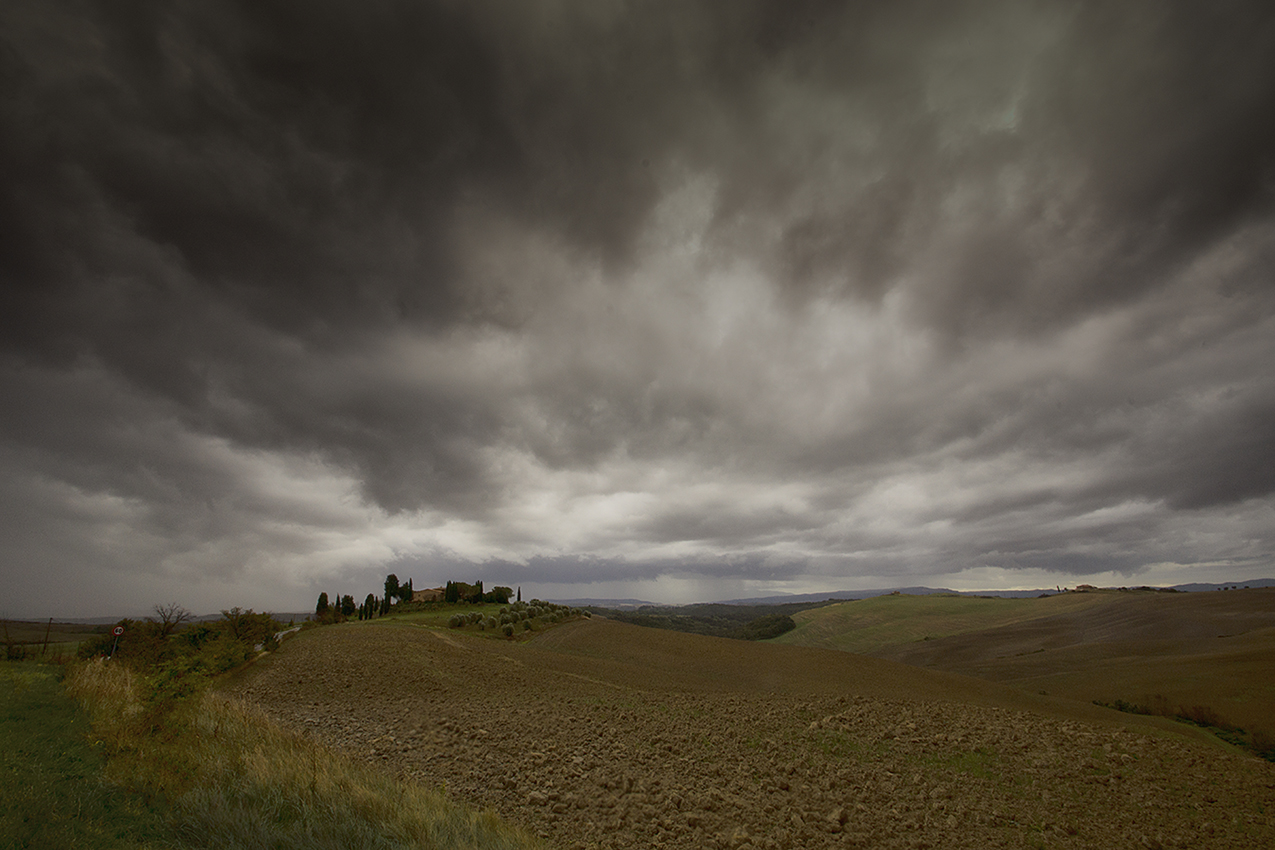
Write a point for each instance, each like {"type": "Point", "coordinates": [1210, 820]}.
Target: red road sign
{"type": "Point", "coordinates": [118, 630]}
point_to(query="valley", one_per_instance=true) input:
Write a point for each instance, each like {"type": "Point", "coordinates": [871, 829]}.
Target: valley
{"type": "Point", "coordinates": [599, 734]}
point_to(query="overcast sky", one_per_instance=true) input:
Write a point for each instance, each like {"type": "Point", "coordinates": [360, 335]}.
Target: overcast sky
{"type": "Point", "coordinates": [676, 300]}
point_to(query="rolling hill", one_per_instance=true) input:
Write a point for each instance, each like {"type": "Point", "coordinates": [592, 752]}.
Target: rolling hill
{"type": "Point", "coordinates": [1163, 651]}
{"type": "Point", "coordinates": [601, 734]}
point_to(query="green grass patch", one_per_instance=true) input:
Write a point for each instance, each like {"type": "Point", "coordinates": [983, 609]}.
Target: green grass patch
{"type": "Point", "coordinates": [237, 781]}
{"type": "Point", "coordinates": [55, 791]}
{"type": "Point", "coordinates": [835, 744]}
{"type": "Point", "coordinates": [981, 763]}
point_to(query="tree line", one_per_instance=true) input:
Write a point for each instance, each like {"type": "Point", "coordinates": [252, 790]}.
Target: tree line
{"type": "Point", "coordinates": [336, 608]}
{"type": "Point", "coordinates": [174, 644]}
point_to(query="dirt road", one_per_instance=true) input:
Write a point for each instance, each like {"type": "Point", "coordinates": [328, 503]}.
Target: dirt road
{"type": "Point", "coordinates": [603, 735]}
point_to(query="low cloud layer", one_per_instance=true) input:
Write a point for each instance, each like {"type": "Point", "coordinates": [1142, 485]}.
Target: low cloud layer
{"type": "Point", "coordinates": [687, 303]}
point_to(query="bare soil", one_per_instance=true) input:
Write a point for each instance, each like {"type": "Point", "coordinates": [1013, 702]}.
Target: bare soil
{"type": "Point", "coordinates": [603, 735]}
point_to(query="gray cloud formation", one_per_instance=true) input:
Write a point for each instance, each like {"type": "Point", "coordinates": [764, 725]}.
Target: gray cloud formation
{"type": "Point", "coordinates": [741, 295]}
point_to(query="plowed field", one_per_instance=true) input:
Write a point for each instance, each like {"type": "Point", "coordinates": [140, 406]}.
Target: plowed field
{"type": "Point", "coordinates": [599, 734]}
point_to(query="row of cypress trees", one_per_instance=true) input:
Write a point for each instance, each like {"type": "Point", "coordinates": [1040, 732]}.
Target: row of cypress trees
{"type": "Point", "coordinates": [374, 606]}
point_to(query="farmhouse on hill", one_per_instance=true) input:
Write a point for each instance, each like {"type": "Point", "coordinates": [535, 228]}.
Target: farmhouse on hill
{"type": "Point", "coordinates": [429, 594]}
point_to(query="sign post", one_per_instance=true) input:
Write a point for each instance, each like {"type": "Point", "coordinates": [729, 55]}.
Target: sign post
{"type": "Point", "coordinates": [117, 631]}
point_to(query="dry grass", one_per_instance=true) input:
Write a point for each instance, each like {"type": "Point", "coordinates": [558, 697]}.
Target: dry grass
{"type": "Point", "coordinates": [235, 780]}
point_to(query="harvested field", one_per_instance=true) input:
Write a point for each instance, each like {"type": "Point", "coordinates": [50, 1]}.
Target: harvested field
{"type": "Point", "coordinates": [36, 638]}
{"type": "Point", "coordinates": [599, 734]}
{"type": "Point", "coordinates": [1179, 649]}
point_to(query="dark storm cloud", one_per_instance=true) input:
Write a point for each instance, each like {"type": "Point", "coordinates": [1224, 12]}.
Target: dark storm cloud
{"type": "Point", "coordinates": [1137, 132]}
{"type": "Point", "coordinates": [296, 168]}
{"type": "Point", "coordinates": [624, 290]}
{"type": "Point", "coordinates": [273, 153]}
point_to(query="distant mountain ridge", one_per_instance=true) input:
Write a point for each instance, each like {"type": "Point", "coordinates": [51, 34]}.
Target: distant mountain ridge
{"type": "Point", "coordinates": [603, 603]}
{"type": "Point", "coordinates": [1009, 594]}
{"type": "Point", "coordinates": [919, 590]}
{"type": "Point", "coordinates": [1194, 587]}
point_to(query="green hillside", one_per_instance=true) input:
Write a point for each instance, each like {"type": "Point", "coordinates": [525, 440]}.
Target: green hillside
{"type": "Point", "coordinates": [869, 626]}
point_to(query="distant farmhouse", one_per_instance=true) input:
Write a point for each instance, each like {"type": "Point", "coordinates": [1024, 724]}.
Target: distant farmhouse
{"type": "Point", "coordinates": [459, 591]}
{"type": "Point", "coordinates": [431, 594]}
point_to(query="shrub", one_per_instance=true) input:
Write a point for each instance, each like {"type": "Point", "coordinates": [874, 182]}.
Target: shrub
{"type": "Point", "coordinates": [508, 629]}
{"type": "Point", "coordinates": [499, 595]}
{"type": "Point", "coordinates": [526, 625]}
{"type": "Point", "coordinates": [1203, 715]}
{"type": "Point", "coordinates": [1263, 744]}
{"type": "Point", "coordinates": [252, 628]}
{"type": "Point", "coordinates": [768, 626]}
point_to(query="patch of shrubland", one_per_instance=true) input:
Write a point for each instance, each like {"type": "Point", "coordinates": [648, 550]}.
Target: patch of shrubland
{"type": "Point", "coordinates": [518, 617]}
{"type": "Point", "coordinates": [742, 622]}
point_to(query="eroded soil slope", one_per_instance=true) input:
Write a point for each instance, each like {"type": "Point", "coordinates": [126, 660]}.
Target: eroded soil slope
{"type": "Point", "coordinates": [605, 735]}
